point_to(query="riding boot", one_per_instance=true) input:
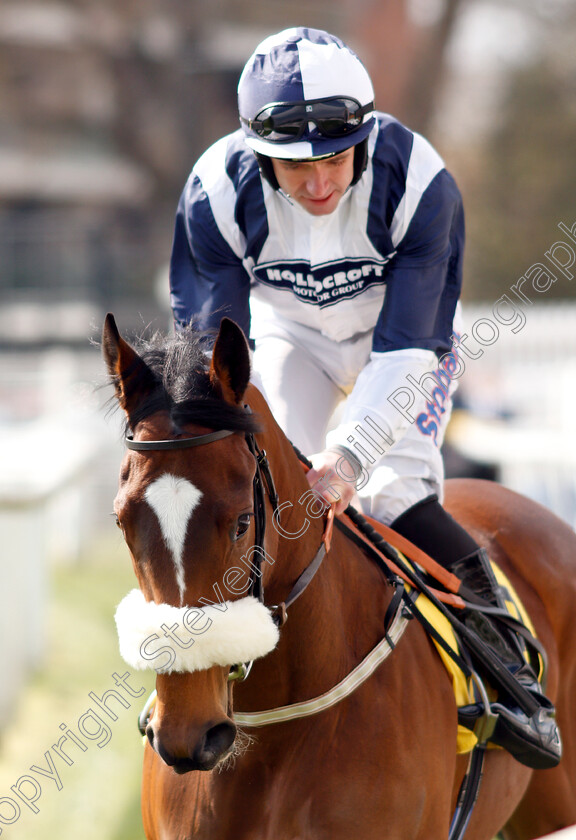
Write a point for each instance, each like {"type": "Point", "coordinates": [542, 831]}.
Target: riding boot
{"type": "Point", "coordinates": [534, 739]}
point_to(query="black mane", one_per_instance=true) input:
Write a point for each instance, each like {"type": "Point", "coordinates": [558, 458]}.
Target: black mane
{"type": "Point", "coordinates": [177, 367]}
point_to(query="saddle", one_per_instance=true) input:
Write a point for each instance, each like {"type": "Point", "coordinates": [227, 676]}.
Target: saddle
{"type": "Point", "coordinates": [475, 699]}
{"type": "Point", "coordinates": [436, 597]}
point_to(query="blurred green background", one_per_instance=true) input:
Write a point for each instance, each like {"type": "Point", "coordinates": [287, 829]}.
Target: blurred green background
{"type": "Point", "coordinates": [100, 793]}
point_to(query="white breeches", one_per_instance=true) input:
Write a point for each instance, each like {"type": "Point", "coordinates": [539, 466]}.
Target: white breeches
{"type": "Point", "coordinates": [305, 376]}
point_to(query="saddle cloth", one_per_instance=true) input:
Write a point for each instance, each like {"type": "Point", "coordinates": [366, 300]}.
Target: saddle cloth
{"type": "Point", "coordinates": [464, 688]}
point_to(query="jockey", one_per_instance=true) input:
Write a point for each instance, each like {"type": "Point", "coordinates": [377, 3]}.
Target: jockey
{"type": "Point", "coordinates": [334, 236]}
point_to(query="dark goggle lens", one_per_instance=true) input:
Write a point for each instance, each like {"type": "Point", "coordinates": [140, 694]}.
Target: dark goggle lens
{"type": "Point", "coordinates": [279, 121]}
{"type": "Point", "coordinates": [289, 120]}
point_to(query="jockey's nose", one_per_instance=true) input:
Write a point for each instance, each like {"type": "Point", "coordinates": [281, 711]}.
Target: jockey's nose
{"type": "Point", "coordinates": [317, 182]}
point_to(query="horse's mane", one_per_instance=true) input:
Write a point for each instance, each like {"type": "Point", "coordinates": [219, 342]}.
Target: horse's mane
{"type": "Point", "coordinates": [175, 379]}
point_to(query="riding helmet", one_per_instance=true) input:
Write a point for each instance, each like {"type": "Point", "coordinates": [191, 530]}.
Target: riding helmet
{"type": "Point", "coordinates": [305, 95]}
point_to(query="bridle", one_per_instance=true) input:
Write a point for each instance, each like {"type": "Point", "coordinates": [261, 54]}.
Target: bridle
{"type": "Point", "coordinates": [263, 483]}
{"type": "Point", "coordinates": [175, 443]}
{"type": "Point", "coordinates": [261, 476]}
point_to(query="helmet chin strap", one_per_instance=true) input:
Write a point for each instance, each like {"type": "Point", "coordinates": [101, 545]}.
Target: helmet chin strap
{"type": "Point", "coordinates": [360, 160]}
{"type": "Point", "coordinates": [267, 170]}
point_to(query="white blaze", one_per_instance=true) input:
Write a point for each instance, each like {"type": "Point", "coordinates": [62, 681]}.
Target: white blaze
{"type": "Point", "coordinates": [173, 500]}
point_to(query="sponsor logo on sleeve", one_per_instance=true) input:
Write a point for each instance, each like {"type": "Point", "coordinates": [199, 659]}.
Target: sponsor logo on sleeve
{"type": "Point", "coordinates": [439, 392]}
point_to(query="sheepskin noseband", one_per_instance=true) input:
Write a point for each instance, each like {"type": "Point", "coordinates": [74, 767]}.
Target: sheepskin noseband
{"type": "Point", "coordinates": [168, 639]}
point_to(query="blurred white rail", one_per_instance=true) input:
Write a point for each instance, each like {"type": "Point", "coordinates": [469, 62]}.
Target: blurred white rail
{"type": "Point", "coordinates": [52, 435]}
{"type": "Point", "coordinates": [524, 384]}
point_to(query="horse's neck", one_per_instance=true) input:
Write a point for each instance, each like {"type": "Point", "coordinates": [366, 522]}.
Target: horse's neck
{"type": "Point", "coordinates": [337, 619]}
{"type": "Point", "coordinates": [330, 628]}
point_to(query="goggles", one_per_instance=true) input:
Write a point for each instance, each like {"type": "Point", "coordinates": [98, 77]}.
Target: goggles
{"type": "Point", "coordinates": [284, 122]}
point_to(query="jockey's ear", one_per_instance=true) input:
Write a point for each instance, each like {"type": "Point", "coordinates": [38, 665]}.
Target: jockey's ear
{"type": "Point", "coordinates": [230, 367]}
{"type": "Point", "coordinates": [130, 375]}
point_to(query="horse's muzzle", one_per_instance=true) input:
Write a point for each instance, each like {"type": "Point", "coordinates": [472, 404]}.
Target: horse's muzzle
{"type": "Point", "coordinates": [209, 749]}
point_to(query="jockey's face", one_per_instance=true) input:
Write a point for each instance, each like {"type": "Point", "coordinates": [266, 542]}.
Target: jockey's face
{"type": "Point", "coordinates": [318, 185]}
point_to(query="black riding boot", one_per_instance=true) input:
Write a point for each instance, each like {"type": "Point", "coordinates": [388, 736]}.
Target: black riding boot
{"type": "Point", "coordinates": [533, 739]}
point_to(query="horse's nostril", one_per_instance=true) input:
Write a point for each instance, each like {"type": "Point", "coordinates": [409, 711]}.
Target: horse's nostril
{"type": "Point", "coordinates": [221, 737]}
{"type": "Point", "coordinates": [150, 735]}
{"type": "Point", "coordinates": [214, 746]}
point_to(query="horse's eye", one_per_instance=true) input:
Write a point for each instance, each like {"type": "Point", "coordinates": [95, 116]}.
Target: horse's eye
{"type": "Point", "coordinates": [116, 520]}
{"type": "Point", "coordinates": [242, 525]}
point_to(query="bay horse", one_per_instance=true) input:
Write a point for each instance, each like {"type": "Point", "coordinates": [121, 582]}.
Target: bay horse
{"type": "Point", "coordinates": [380, 763]}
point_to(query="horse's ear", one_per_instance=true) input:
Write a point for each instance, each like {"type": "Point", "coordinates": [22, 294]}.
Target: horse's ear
{"type": "Point", "coordinates": [130, 375]}
{"type": "Point", "coordinates": [231, 361]}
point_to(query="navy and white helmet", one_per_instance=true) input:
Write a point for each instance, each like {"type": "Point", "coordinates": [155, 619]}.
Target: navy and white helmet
{"type": "Point", "coordinates": [304, 94]}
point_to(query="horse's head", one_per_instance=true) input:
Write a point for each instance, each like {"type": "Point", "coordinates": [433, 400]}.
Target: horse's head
{"type": "Point", "coordinates": [186, 506]}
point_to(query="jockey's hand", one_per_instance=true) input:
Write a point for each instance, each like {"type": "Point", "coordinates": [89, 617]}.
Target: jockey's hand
{"type": "Point", "coordinates": [326, 478]}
